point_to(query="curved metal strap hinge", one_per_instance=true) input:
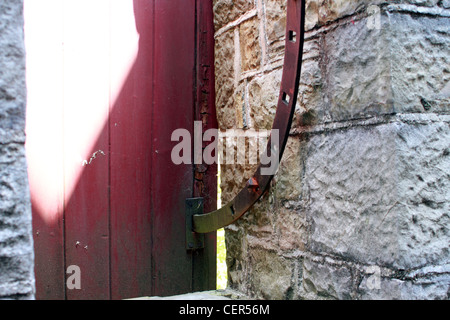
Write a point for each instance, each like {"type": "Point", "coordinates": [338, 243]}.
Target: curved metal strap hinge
{"type": "Point", "coordinates": [258, 184]}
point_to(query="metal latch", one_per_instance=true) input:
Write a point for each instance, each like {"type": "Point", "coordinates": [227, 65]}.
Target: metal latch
{"type": "Point", "coordinates": [194, 241]}
{"type": "Point", "coordinates": [209, 222]}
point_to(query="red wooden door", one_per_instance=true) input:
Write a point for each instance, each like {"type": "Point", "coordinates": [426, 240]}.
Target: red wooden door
{"type": "Point", "coordinates": [108, 83]}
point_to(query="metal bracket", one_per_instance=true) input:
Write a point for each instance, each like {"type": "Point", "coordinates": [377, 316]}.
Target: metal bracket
{"type": "Point", "coordinates": [194, 241]}
{"type": "Point", "coordinates": [259, 183]}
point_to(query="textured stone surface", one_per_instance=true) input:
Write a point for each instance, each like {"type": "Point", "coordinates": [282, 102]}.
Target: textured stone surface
{"type": "Point", "coordinates": [322, 280]}
{"type": "Point", "coordinates": [288, 180]}
{"type": "Point", "coordinates": [356, 71]}
{"type": "Point", "coordinates": [291, 230]}
{"type": "Point", "coordinates": [361, 71]}
{"type": "Point", "coordinates": [350, 185]}
{"type": "Point", "coordinates": [423, 184]}
{"type": "Point", "coordinates": [364, 72]}
{"type": "Point", "coordinates": [265, 265]}
{"type": "Point", "coordinates": [12, 72]}
{"type": "Point", "coordinates": [249, 45]}
{"type": "Point", "coordinates": [420, 62]}
{"type": "Point", "coordinates": [16, 248]}
{"type": "Point", "coordinates": [224, 66]}
{"type": "Point", "coordinates": [263, 98]}
{"type": "Point", "coordinates": [275, 27]}
{"type": "Point", "coordinates": [359, 206]}
{"type": "Point", "coordinates": [227, 11]}
{"type": "Point", "coordinates": [367, 202]}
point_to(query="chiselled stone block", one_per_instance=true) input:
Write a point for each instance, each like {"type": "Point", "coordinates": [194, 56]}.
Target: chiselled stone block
{"type": "Point", "coordinates": [377, 194]}
{"type": "Point", "coordinates": [224, 68]}
{"type": "Point", "coordinates": [16, 246]}
{"type": "Point", "coordinates": [263, 99]}
{"type": "Point", "coordinates": [16, 249]}
{"type": "Point", "coordinates": [362, 69]}
{"type": "Point", "coordinates": [226, 11]}
{"type": "Point", "coordinates": [250, 45]}
{"type": "Point", "coordinates": [322, 280]}
{"type": "Point", "coordinates": [265, 266]}
{"type": "Point", "coordinates": [12, 72]}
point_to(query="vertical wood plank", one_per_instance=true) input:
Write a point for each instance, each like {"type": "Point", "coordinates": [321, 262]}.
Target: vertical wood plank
{"type": "Point", "coordinates": [173, 109]}
{"type": "Point", "coordinates": [44, 129]}
{"type": "Point", "coordinates": [86, 144]}
{"type": "Point", "coordinates": [131, 152]}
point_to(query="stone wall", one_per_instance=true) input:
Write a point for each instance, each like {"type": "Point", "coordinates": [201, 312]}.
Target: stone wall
{"type": "Point", "coordinates": [359, 208]}
{"type": "Point", "coordinates": [16, 248]}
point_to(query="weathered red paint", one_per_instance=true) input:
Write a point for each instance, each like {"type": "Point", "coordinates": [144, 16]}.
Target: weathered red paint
{"type": "Point", "coordinates": [117, 211]}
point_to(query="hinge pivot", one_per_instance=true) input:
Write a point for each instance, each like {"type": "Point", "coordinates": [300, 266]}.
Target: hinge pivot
{"type": "Point", "coordinates": [194, 241]}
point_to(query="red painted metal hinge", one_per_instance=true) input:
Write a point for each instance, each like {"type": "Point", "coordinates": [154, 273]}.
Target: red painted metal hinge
{"type": "Point", "coordinates": [259, 183]}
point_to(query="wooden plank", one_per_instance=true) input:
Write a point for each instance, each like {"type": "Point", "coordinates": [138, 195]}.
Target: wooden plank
{"type": "Point", "coordinates": [44, 142]}
{"type": "Point", "coordinates": [86, 144]}
{"type": "Point", "coordinates": [131, 117]}
{"type": "Point", "coordinates": [174, 71]}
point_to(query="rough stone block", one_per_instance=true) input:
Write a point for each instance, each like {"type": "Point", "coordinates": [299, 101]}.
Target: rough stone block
{"type": "Point", "coordinates": [224, 68]}
{"type": "Point", "coordinates": [357, 77]}
{"type": "Point", "coordinates": [275, 27]}
{"type": "Point", "coordinates": [237, 260]}
{"type": "Point", "coordinates": [226, 11]}
{"type": "Point", "coordinates": [263, 99]}
{"type": "Point", "coordinates": [12, 72]}
{"type": "Point", "coordinates": [287, 183]}
{"type": "Point", "coordinates": [422, 209]}
{"type": "Point", "coordinates": [291, 229]}
{"type": "Point", "coordinates": [322, 280]}
{"type": "Point", "coordinates": [249, 45]}
{"type": "Point", "coordinates": [420, 67]}
{"type": "Point", "coordinates": [359, 71]}
{"type": "Point", "coordinates": [340, 186]}
{"type": "Point", "coordinates": [366, 198]}
{"type": "Point", "coordinates": [266, 264]}
{"type": "Point", "coordinates": [429, 283]}
{"type": "Point", "coordinates": [16, 247]}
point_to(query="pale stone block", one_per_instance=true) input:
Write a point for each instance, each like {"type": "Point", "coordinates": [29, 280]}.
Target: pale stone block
{"type": "Point", "coordinates": [420, 67]}
{"type": "Point", "coordinates": [324, 281]}
{"type": "Point", "coordinates": [226, 11]}
{"type": "Point", "coordinates": [266, 264]}
{"type": "Point", "coordinates": [224, 74]}
{"type": "Point", "coordinates": [377, 195]}
{"type": "Point", "coordinates": [249, 45]}
{"type": "Point", "coordinates": [263, 99]}
{"type": "Point", "coordinates": [16, 245]}
{"type": "Point", "coordinates": [275, 11]}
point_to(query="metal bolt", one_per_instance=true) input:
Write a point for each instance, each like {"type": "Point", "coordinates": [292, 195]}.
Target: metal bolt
{"type": "Point", "coordinates": [253, 184]}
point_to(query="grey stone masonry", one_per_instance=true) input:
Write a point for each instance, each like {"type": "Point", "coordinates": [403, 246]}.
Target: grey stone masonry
{"type": "Point", "coordinates": [16, 246]}
{"type": "Point", "coordinates": [359, 208]}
